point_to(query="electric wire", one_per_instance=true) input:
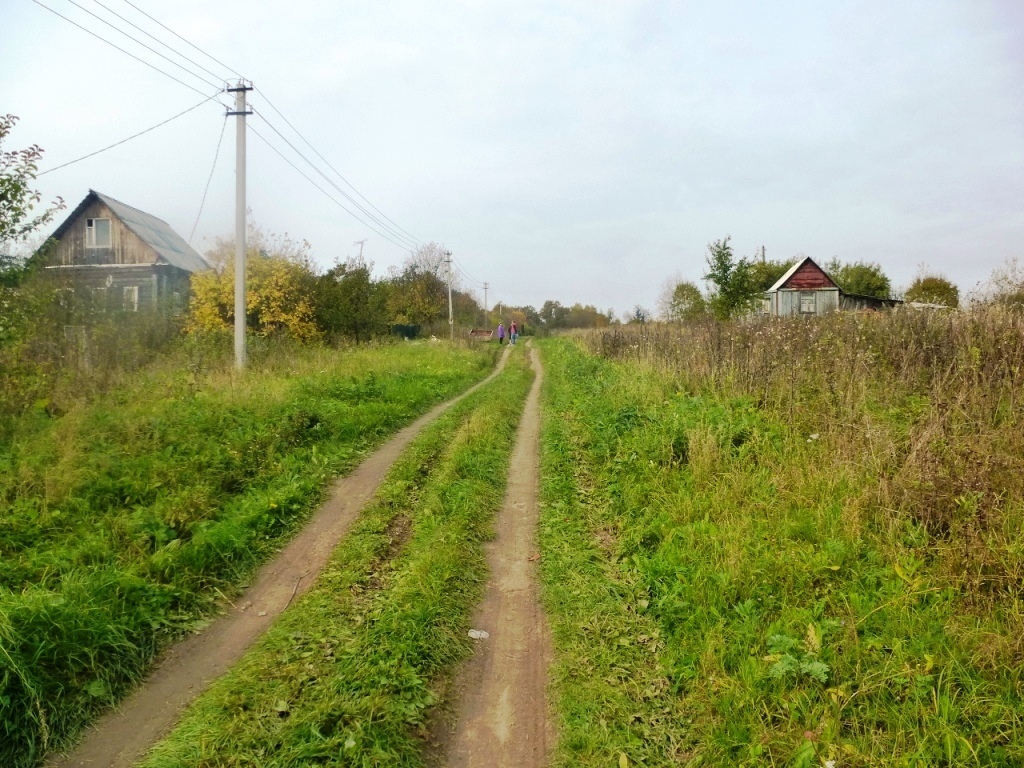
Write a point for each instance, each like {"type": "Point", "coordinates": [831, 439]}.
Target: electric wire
{"type": "Point", "coordinates": [340, 176]}
{"type": "Point", "coordinates": [115, 45]}
{"type": "Point", "coordinates": [202, 203]}
{"type": "Point", "coordinates": [211, 58]}
{"type": "Point", "coordinates": [157, 39]}
{"type": "Point", "coordinates": [135, 40]}
{"type": "Point", "coordinates": [410, 242]}
{"type": "Point", "coordinates": [134, 136]}
{"type": "Point", "coordinates": [325, 192]}
{"type": "Point", "coordinates": [465, 272]}
{"type": "Point", "coordinates": [406, 240]}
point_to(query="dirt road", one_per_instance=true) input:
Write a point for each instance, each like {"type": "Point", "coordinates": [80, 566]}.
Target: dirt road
{"type": "Point", "coordinates": [122, 737]}
{"type": "Point", "coordinates": [502, 715]}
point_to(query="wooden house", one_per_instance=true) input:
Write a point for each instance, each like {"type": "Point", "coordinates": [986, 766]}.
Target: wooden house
{"type": "Point", "coordinates": [806, 289]}
{"type": "Point", "coordinates": [129, 259]}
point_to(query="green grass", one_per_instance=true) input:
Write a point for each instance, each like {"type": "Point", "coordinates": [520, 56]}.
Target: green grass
{"type": "Point", "coordinates": [349, 674]}
{"type": "Point", "coordinates": [728, 586]}
{"type": "Point", "coordinates": [126, 519]}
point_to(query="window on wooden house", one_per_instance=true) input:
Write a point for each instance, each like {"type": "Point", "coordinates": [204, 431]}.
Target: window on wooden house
{"type": "Point", "coordinates": [808, 303]}
{"type": "Point", "coordinates": [131, 298]}
{"type": "Point", "coordinates": [97, 233]}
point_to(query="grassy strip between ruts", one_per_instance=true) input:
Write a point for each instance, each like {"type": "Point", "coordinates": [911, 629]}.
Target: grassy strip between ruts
{"type": "Point", "coordinates": [122, 521]}
{"type": "Point", "coordinates": [722, 592]}
{"type": "Point", "coordinates": [346, 676]}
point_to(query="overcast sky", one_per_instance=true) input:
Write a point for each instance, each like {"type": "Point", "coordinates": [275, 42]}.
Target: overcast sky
{"type": "Point", "coordinates": [577, 150]}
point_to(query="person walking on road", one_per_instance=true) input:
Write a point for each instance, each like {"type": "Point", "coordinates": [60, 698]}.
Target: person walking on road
{"type": "Point", "coordinates": [513, 332]}
{"type": "Point", "coordinates": [501, 334]}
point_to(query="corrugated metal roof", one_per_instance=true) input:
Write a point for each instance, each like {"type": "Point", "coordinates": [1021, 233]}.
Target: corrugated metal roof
{"type": "Point", "coordinates": [171, 248]}
{"type": "Point", "coordinates": [157, 234]}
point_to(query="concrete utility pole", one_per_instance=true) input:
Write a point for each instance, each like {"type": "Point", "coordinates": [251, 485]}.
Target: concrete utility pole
{"type": "Point", "coordinates": [486, 286]}
{"type": "Point", "coordinates": [451, 317]}
{"type": "Point", "coordinates": [240, 304]}
{"type": "Point", "coordinates": [360, 244]}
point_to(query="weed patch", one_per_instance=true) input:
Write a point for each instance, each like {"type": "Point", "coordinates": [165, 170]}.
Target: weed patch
{"type": "Point", "coordinates": [765, 525]}
{"type": "Point", "coordinates": [125, 519]}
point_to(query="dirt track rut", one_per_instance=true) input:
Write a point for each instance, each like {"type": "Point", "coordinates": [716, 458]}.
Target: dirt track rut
{"type": "Point", "coordinates": [502, 715]}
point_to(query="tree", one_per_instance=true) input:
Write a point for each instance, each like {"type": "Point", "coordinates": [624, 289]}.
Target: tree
{"type": "Point", "coordinates": [933, 289]}
{"type": "Point", "coordinates": [734, 290]}
{"type": "Point", "coordinates": [1006, 286]}
{"type": "Point", "coordinates": [418, 293]}
{"type": "Point", "coordinates": [860, 278]}
{"type": "Point", "coordinates": [767, 273]}
{"type": "Point", "coordinates": [638, 316]}
{"type": "Point", "coordinates": [348, 302]}
{"type": "Point", "coordinates": [681, 301]}
{"type": "Point", "coordinates": [17, 197]}
{"type": "Point", "coordinates": [553, 314]}
{"type": "Point", "coordinates": [18, 200]}
{"type": "Point", "coordinates": [280, 283]}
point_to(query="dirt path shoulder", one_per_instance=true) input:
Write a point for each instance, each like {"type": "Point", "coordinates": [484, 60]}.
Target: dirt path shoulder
{"type": "Point", "coordinates": [120, 738]}
{"type": "Point", "coordinates": [502, 715]}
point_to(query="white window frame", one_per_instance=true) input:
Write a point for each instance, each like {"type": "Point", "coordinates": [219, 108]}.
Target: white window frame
{"type": "Point", "coordinates": [90, 234]}
{"type": "Point", "coordinates": [808, 299]}
{"type": "Point", "coordinates": [130, 294]}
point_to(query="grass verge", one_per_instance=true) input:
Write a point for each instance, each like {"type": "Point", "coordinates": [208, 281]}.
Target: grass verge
{"type": "Point", "coordinates": [124, 520]}
{"type": "Point", "coordinates": [347, 675]}
{"type": "Point", "coordinates": [730, 582]}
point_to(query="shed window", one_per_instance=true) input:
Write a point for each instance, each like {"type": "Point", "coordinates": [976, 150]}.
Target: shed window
{"type": "Point", "coordinates": [131, 298]}
{"type": "Point", "coordinates": [808, 304]}
{"type": "Point", "coordinates": [97, 233]}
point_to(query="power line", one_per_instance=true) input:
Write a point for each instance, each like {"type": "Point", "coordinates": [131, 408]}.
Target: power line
{"type": "Point", "coordinates": [347, 182]}
{"type": "Point", "coordinates": [139, 42]}
{"type": "Point", "coordinates": [408, 241]}
{"type": "Point", "coordinates": [157, 39]}
{"type": "Point", "coordinates": [325, 192]}
{"type": "Point", "coordinates": [211, 58]}
{"type": "Point", "coordinates": [209, 179]}
{"type": "Point", "coordinates": [115, 45]}
{"type": "Point", "coordinates": [466, 273]}
{"type": "Point", "coordinates": [135, 136]}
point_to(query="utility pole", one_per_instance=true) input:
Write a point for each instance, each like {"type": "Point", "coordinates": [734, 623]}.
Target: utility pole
{"type": "Point", "coordinates": [762, 254]}
{"type": "Point", "coordinates": [486, 286]}
{"type": "Point", "coordinates": [360, 244]}
{"type": "Point", "coordinates": [451, 317]}
{"type": "Point", "coordinates": [240, 304]}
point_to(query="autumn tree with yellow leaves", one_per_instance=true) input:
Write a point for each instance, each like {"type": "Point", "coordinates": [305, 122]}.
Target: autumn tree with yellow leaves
{"type": "Point", "coordinates": [279, 283]}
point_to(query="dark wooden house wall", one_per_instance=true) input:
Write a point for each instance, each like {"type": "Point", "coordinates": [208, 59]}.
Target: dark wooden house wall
{"type": "Point", "coordinates": [125, 246]}
{"type": "Point", "coordinates": [128, 263]}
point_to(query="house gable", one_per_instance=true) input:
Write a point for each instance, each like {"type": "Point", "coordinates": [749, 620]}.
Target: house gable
{"type": "Point", "coordinates": [805, 275]}
{"type": "Point", "coordinates": [134, 237]}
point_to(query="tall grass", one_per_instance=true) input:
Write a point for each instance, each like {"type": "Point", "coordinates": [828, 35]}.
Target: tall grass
{"type": "Point", "coordinates": [818, 523]}
{"type": "Point", "coordinates": [125, 518]}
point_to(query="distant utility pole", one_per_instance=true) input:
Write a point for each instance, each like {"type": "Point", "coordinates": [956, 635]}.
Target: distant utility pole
{"type": "Point", "coordinates": [486, 286]}
{"type": "Point", "coordinates": [451, 317]}
{"type": "Point", "coordinates": [360, 244]}
{"type": "Point", "coordinates": [240, 307]}
{"type": "Point", "coordinates": [762, 254]}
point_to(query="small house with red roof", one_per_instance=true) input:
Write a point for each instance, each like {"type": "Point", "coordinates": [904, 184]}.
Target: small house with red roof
{"type": "Point", "coordinates": [806, 289]}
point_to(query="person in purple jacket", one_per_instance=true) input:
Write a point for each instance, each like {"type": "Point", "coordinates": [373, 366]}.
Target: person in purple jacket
{"type": "Point", "coordinates": [501, 334]}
